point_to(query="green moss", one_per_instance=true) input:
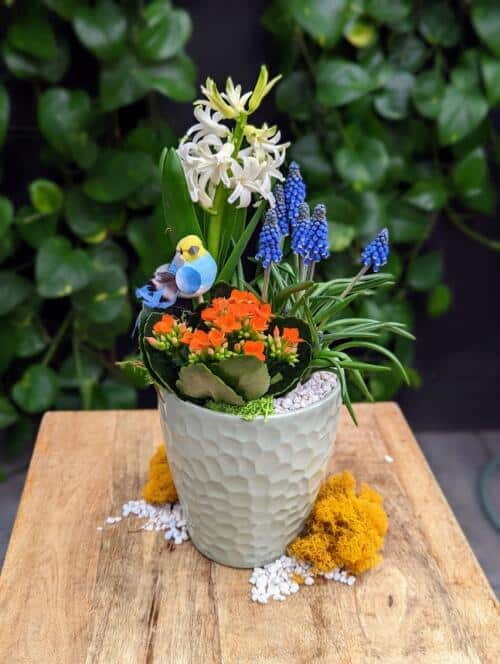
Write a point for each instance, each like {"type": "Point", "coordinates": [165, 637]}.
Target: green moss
{"type": "Point", "coordinates": [249, 411]}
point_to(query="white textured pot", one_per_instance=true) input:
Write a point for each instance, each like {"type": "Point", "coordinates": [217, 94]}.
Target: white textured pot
{"type": "Point", "coordinates": [246, 488]}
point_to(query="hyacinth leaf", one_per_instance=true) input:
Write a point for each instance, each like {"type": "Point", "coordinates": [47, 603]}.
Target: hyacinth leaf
{"type": "Point", "coordinates": [227, 270]}
{"type": "Point", "coordinates": [178, 208]}
{"type": "Point", "coordinates": [284, 376]}
{"type": "Point", "coordinates": [160, 367]}
{"type": "Point", "coordinates": [196, 381]}
{"type": "Point", "coordinates": [247, 375]}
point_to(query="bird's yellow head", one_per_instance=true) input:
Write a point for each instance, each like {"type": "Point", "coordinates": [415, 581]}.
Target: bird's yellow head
{"type": "Point", "coordinates": [190, 248]}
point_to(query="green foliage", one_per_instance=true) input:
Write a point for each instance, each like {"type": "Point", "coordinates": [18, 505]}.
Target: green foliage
{"type": "Point", "coordinates": [391, 118]}
{"type": "Point", "coordinates": [93, 213]}
{"type": "Point", "coordinates": [196, 381]}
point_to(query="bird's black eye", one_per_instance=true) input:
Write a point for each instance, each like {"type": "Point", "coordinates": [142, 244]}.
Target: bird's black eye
{"type": "Point", "coordinates": [193, 250]}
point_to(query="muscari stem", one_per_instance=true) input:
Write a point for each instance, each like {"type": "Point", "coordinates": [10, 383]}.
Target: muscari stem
{"type": "Point", "coordinates": [355, 280]}
{"type": "Point", "coordinates": [265, 282]}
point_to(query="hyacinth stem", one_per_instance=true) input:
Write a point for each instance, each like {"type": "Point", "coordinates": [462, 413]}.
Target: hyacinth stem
{"type": "Point", "coordinates": [355, 280]}
{"type": "Point", "coordinates": [265, 282]}
{"type": "Point", "coordinates": [215, 223]}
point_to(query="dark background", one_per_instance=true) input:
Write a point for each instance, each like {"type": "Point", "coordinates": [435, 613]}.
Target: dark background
{"type": "Point", "coordinates": [457, 355]}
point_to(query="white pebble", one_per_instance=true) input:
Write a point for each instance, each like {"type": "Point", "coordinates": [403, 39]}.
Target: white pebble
{"type": "Point", "coordinates": [316, 388]}
{"type": "Point", "coordinates": [388, 458]}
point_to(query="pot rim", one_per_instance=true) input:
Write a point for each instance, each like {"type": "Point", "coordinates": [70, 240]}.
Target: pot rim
{"type": "Point", "coordinates": [276, 416]}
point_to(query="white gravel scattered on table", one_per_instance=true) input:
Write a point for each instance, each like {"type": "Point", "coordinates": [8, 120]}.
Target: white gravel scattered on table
{"type": "Point", "coordinates": [167, 518]}
{"type": "Point", "coordinates": [316, 388]}
{"type": "Point", "coordinates": [388, 458]}
{"type": "Point", "coordinates": [275, 580]}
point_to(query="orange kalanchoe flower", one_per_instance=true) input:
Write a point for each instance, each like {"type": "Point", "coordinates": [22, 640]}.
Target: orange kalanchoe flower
{"type": "Point", "coordinates": [255, 349]}
{"type": "Point", "coordinates": [291, 335]}
{"type": "Point", "coordinates": [165, 325]}
{"type": "Point", "coordinates": [241, 312]}
{"type": "Point", "coordinates": [198, 341]}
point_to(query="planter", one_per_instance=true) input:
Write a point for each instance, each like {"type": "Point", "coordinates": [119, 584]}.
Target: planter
{"type": "Point", "coordinates": [246, 488]}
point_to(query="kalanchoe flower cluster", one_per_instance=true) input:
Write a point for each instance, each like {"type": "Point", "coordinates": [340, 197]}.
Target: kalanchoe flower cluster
{"type": "Point", "coordinates": [169, 333]}
{"type": "Point", "coordinates": [295, 193]}
{"type": "Point", "coordinates": [376, 253]}
{"type": "Point", "coordinates": [280, 207]}
{"type": "Point", "coordinates": [283, 346]}
{"type": "Point", "coordinates": [269, 250]}
{"type": "Point", "coordinates": [316, 241]}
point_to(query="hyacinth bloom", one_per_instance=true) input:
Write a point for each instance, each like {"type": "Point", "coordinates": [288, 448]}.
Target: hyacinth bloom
{"type": "Point", "coordinates": [295, 193]}
{"type": "Point", "coordinates": [376, 253]}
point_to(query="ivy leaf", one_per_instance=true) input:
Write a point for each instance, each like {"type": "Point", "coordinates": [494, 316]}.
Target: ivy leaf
{"type": "Point", "coordinates": [6, 214]}
{"type": "Point", "coordinates": [31, 335]}
{"type": "Point", "coordinates": [128, 80]}
{"type": "Point", "coordinates": [425, 271]}
{"type": "Point", "coordinates": [439, 300]}
{"type": "Point", "coordinates": [8, 414]}
{"type": "Point", "coordinates": [114, 395]}
{"type": "Point", "coordinates": [490, 69]}
{"type": "Point", "coordinates": [147, 236]}
{"type": "Point", "coordinates": [429, 195]}
{"type": "Point", "coordinates": [406, 224]}
{"type": "Point", "coordinates": [65, 8]}
{"type": "Point", "coordinates": [392, 102]}
{"type": "Point", "coordinates": [8, 344]}
{"type": "Point", "coordinates": [461, 112]}
{"type": "Point", "coordinates": [32, 33]}
{"type": "Point", "coordinates": [116, 175]}
{"type": "Point", "coordinates": [35, 227]}
{"type": "Point", "coordinates": [363, 162]}
{"type": "Point", "coordinates": [102, 300]}
{"type": "Point", "coordinates": [307, 151]}
{"type": "Point", "coordinates": [37, 390]}
{"type": "Point", "coordinates": [324, 20]}
{"type": "Point", "coordinates": [61, 270]}
{"type": "Point", "coordinates": [25, 67]}
{"type": "Point", "coordinates": [359, 32]}
{"type": "Point", "coordinates": [486, 21]}
{"type": "Point", "coordinates": [470, 177]}
{"type": "Point", "coordinates": [428, 93]}
{"type": "Point", "coordinates": [102, 29]}
{"type": "Point", "coordinates": [90, 371]}
{"type": "Point", "coordinates": [14, 289]}
{"type": "Point", "coordinates": [340, 236]}
{"type": "Point", "coordinates": [4, 113]}
{"type": "Point", "coordinates": [89, 220]}
{"type": "Point", "coordinates": [46, 196]}
{"type": "Point", "coordinates": [438, 24]}
{"type": "Point", "coordinates": [341, 82]}
{"type": "Point", "coordinates": [389, 11]}
{"type": "Point", "coordinates": [407, 52]}
{"type": "Point", "coordinates": [64, 117]}
{"type": "Point", "coordinates": [293, 95]}
{"type": "Point", "coordinates": [165, 32]}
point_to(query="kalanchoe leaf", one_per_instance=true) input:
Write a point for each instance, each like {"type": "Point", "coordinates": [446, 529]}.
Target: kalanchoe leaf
{"type": "Point", "coordinates": [247, 375]}
{"type": "Point", "coordinates": [269, 241]}
{"type": "Point", "coordinates": [284, 377]}
{"type": "Point", "coordinates": [281, 210]}
{"type": "Point", "coordinates": [295, 193]}
{"type": "Point", "coordinates": [196, 381]}
{"type": "Point", "coordinates": [376, 253]}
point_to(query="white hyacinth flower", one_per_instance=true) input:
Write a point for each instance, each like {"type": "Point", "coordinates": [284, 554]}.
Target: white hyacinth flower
{"type": "Point", "coordinates": [247, 179]}
{"type": "Point", "coordinates": [266, 141]}
{"type": "Point", "coordinates": [207, 124]}
{"type": "Point", "coordinates": [234, 98]}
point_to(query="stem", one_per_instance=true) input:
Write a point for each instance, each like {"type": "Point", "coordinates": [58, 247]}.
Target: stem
{"type": "Point", "coordinates": [57, 339]}
{"type": "Point", "coordinates": [310, 272]}
{"type": "Point", "coordinates": [215, 222]}
{"type": "Point", "coordinates": [265, 282]}
{"type": "Point", "coordinates": [355, 280]}
{"type": "Point", "coordinates": [478, 237]}
{"type": "Point", "coordinates": [85, 392]}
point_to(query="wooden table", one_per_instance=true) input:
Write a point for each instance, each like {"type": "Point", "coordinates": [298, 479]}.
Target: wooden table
{"type": "Point", "coordinates": [71, 593]}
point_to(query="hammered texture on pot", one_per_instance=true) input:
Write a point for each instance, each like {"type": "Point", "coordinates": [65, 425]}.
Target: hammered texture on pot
{"type": "Point", "coordinates": [246, 488]}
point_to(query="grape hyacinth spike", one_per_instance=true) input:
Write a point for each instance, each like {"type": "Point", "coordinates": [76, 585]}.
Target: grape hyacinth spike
{"type": "Point", "coordinates": [317, 245]}
{"type": "Point", "coordinates": [280, 207]}
{"type": "Point", "coordinates": [376, 253]}
{"type": "Point", "coordinates": [301, 230]}
{"type": "Point", "coordinates": [269, 250]}
{"type": "Point", "coordinates": [295, 193]}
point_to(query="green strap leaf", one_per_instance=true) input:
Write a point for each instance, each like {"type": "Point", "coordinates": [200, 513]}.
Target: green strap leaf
{"type": "Point", "coordinates": [230, 265]}
{"type": "Point", "coordinates": [178, 208]}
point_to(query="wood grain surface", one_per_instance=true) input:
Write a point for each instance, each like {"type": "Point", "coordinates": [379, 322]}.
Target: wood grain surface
{"type": "Point", "coordinates": [70, 593]}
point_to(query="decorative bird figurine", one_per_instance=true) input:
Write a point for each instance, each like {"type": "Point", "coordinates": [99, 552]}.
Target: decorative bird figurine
{"type": "Point", "coordinates": [190, 274]}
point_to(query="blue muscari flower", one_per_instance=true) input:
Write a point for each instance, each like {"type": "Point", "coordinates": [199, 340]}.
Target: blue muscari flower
{"type": "Point", "coordinates": [316, 243]}
{"type": "Point", "coordinates": [280, 207]}
{"type": "Point", "coordinates": [376, 253]}
{"type": "Point", "coordinates": [269, 240]}
{"type": "Point", "coordinates": [295, 193]}
{"type": "Point", "coordinates": [301, 231]}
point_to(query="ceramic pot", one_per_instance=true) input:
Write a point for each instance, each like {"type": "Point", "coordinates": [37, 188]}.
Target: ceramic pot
{"type": "Point", "coordinates": [246, 488]}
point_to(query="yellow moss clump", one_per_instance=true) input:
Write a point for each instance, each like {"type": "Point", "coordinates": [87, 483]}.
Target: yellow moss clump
{"type": "Point", "coordinates": [160, 487]}
{"type": "Point", "coordinates": [345, 529]}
